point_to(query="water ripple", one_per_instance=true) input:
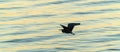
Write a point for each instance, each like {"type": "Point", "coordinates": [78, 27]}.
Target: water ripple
{"type": "Point", "coordinates": [56, 2]}
{"type": "Point", "coordinates": [33, 39]}
{"type": "Point", "coordinates": [99, 3]}
{"type": "Point", "coordinates": [28, 16]}
{"type": "Point", "coordinates": [96, 11]}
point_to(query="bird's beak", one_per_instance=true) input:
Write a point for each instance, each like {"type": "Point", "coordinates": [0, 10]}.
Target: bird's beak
{"type": "Point", "coordinates": [60, 29]}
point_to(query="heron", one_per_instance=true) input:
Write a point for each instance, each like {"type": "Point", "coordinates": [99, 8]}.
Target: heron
{"type": "Point", "coordinates": [69, 28]}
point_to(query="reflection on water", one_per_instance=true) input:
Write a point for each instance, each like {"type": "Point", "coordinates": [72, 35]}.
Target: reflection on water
{"type": "Point", "coordinates": [33, 25]}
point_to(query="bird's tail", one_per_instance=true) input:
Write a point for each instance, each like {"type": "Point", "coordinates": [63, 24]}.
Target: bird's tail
{"type": "Point", "coordinates": [73, 33]}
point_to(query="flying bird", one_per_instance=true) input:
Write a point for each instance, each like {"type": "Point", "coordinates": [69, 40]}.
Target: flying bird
{"type": "Point", "coordinates": [69, 28]}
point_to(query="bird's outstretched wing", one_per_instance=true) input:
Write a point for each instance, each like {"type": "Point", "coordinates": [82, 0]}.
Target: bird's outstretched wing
{"type": "Point", "coordinates": [64, 26]}
{"type": "Point", "coordinates": [71, 25]}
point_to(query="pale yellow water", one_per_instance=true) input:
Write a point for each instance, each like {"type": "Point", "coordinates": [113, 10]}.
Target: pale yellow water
{"type": "Point", "coordinates": [33, 25]}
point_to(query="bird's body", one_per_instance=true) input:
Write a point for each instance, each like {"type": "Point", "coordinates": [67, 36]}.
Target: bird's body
{"type": "Point", "coordinates": [69, 28]}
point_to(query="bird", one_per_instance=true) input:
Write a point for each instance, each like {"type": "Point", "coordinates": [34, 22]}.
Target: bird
{"type": "Point", "coordinates": [69, 28]}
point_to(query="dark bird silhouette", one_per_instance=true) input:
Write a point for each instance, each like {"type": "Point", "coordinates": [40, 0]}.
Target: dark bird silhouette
{"type": "Point", "coordinates": [69, 28]}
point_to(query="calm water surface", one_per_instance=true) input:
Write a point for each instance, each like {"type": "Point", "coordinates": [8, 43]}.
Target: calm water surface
{"type": "Point", "coordinates": [33, 25]}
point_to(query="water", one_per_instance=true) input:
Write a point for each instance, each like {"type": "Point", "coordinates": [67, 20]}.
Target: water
{"type": "Point", "coordinates": [33, 25]}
